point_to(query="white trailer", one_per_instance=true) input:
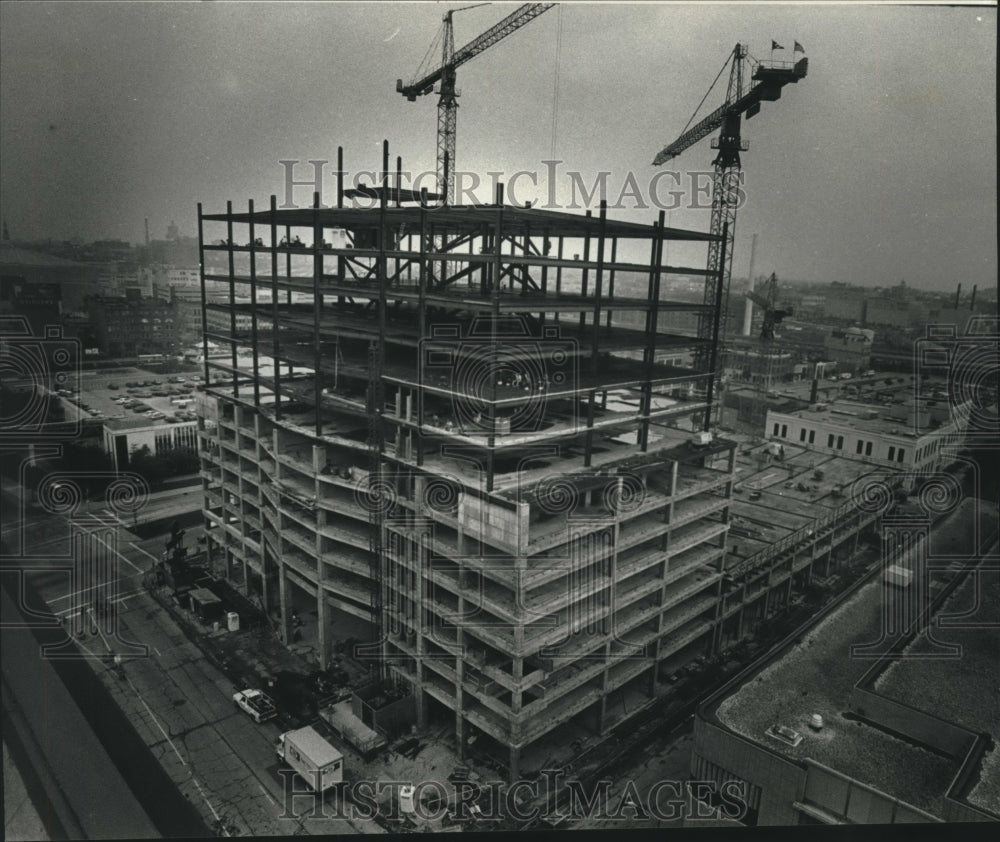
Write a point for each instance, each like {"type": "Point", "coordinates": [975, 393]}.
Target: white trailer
{"type": "Point", "coordinates": [318, 763]}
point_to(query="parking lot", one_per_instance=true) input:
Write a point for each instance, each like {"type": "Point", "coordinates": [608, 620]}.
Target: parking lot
{"type": "Point", "coordinates": [132, 393]}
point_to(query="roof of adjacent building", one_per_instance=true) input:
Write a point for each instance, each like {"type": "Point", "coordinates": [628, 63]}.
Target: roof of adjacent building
{"type": "Point", "coordinates": [861, 417]}
{"type": "Point", "coordinates": [118, 425]}
{"type": "Point", "coordinates": [816, 673]}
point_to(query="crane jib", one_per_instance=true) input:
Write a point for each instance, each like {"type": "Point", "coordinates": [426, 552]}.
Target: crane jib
{"type": "Point", "coordinates": [497, 32]}
{"type": "Point", "coordinates": [770, 82]}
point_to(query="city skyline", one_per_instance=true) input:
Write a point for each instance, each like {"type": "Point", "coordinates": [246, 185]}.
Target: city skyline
{"type": "Point", "coordinates": [115, 113]}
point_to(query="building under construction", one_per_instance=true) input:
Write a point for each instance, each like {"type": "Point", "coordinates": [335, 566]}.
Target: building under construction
{"type": "Point", "coordinates": [441, 428]}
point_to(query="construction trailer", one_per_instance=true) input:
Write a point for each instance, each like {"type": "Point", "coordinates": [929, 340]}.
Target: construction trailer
{"type": "Point", "coordinates": [459, 427]}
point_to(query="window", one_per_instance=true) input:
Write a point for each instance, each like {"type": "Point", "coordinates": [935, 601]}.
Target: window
{"type": "Point", "coordinates": [868, 448]}
{"type": "Point", "coordinates": [812, 437]}
{"type": "Point", "coordinates": [784, 431]}
{"type": "Point", "coordinates": [900, 455]}
{"type": "Point", "coordinates": [840, 442]}
{"type": "Point", "coordinates": [775, 430]}
{"type": "Point", "coordinates": [892, 453]}
{"type": "Point", "coordinates": [802, 434]}
{"type": "Point", "coordinates": [860, 447]}
{"type": "Point", "coordinates": [829, 440]}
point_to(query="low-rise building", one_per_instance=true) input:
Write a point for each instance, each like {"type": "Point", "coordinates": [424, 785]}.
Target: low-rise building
{"type": "Point", "coordinates": [132, 325]}
{"type": "Point", "coordinates": [904, 437]}
{"type": "Point", "coordinates": [837, 727]}
{"type": "Point", "coordinates": [124, 436]}
{"type": "Point", "coordinates": [850, 347]}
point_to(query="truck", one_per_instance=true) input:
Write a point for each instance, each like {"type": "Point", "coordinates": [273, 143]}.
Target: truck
{"type": "Point", "coordinates": [257, 705]}
{"type": "Point", "coordinates": [317, 762]}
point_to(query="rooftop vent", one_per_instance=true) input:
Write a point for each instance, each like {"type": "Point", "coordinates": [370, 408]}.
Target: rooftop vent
{"type": "Point", "coordinates": [816, 722]}
{"type": "Point", "coordinates": [784, 734]}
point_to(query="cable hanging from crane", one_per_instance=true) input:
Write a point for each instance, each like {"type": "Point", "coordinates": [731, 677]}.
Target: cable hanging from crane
{"type": "Point", "coordinates": [555, 84]}
{"type": "Point", "coordinates": [722, 70]}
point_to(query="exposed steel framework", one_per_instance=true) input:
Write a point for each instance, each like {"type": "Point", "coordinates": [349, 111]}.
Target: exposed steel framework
{"type": "Point", "coordinates": [451, 413]}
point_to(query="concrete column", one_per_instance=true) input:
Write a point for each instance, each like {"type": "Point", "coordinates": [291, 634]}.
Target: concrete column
{"type": "Point", "coordinates": [513, 771]}
{"type": "Point", "coordinates": [323, 636]}
{"type": "Point", "coordinates": [285, 619]}
{"type": "Point", "coordinates": [601, 727]}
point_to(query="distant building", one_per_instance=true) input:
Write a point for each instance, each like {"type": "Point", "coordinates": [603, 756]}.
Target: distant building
{"type": "Point", "coordinates": [217, 316]}
{"type": "Point", "coordinates": [749, 363]}
{"type": "Point", "coordinates": [166, 278]}
{"type": "Point", "coordinates": [897, 436]}
{"type": "Point", "coordinates": [894, 311]}
{"type": "Point", "coordinates": [42, 287]}
{"type": "Point", "coordinates": [115, 277]}
{"type": "Point", "coordinates": [846, 305]}
{"type": "Point", "coordinates": [124, 436]}
{"type": "Point", "coordinates": [851, 348]}
{"type": "Point", "coordinates": [812, 303]}
{"type": "Point", "coordinates": [132, 325]}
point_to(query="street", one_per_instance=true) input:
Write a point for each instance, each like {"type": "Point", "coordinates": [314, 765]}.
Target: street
{"type": "Point", "coordinates": [179, 704]}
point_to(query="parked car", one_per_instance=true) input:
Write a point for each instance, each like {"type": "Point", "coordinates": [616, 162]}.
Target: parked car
{"type": "Point", "coordinates": [257, 705]}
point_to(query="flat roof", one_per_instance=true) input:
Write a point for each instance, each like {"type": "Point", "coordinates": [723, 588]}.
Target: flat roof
{"type": "Point", "coordinates": [817, 674]}
{"type": "Point", "coordinates": [783, 507]}
{"type": "Point", "coordinates": [310, 741]}
{"type": "Point", "coordinates": [931, 686]}
{"type": "Point", "coordinates": [853, 416]}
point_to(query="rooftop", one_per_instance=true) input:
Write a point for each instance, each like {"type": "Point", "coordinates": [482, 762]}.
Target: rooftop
{"type": "Point", "coordinates": [817, 673]}
{"type": "Point", "coordinates": [790, 495]}
{"type": "Point", "coordinates": [864, 417]}
{"type": "Point", "coordinates": [976, 672]}
{"type": "Point", "coordinates": [141, 423]}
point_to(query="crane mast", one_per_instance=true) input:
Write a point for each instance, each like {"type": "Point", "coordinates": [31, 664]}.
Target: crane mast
{"type": "Point", "coordinates": [448, 93]}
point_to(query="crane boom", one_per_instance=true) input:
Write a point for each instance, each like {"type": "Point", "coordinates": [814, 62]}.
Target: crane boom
{"type": "Point", "coordinates": [445, 74]}
{"type": "Point", "coordinates": [768, 88]}
{"type": "Point", "coordinates": [514, 21]}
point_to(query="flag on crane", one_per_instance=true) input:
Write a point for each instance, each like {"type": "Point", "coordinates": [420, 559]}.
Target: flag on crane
{"type": "Point", "coordinates": [776, 46]}
{"type": "Point", "coordinates": [799, 48]}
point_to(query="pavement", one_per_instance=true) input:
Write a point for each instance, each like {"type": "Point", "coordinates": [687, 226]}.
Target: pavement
{"type": "Point", "coordinates": [21, 820]}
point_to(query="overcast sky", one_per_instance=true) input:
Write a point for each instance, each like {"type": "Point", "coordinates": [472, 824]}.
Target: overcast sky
{"type": "Point", "coordinates": [879, 166]}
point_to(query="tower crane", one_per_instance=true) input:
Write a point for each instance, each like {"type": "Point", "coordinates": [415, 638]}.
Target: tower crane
{"type": "Point", "coordinates": [762, 365]}
{"type": "Point", "coordinates": [750, 83]}
{"type": "Point", "coordinates": [451, 60]}
{"type": "Point", "coordinates": [769, 306]}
